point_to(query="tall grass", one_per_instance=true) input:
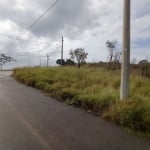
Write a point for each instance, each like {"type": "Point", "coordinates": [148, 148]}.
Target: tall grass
{"type": "Point", "coordinates": [95, 89]}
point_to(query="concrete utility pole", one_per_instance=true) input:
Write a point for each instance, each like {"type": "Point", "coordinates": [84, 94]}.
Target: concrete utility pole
{"type": "Point", "coordinates": [40, 62]}
{"type": "Point", "coordinates": [62, 49]}
{"type": "Point", "coordinates": [47, 60]}
{"type": "Point", "coordinates": [124, 90]}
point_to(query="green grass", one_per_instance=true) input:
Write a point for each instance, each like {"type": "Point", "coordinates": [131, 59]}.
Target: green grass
{"type": "Point", "coordinates": [95, 89]}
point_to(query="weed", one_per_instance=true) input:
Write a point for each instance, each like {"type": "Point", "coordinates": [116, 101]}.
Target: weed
{"type": "Point", "coordinates": [95, 89]}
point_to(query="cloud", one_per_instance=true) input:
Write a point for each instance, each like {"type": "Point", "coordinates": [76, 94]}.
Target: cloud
{"type": "Point", "coordinates": [85, 23]}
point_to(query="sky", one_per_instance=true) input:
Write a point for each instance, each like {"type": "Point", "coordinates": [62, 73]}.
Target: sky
{"type": "Point", "coordinates": [84, 24]}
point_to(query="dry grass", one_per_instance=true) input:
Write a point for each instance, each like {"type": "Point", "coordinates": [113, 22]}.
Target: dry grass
{"type": "Point", "coordinates": [95, 89]}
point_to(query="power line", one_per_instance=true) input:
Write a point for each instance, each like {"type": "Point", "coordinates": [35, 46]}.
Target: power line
{"type": "Point", "coordinates": [35, 22]}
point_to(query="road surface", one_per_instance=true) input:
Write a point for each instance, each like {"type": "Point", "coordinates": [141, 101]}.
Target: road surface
{"type": "Point", "coordinates": [31, 121]}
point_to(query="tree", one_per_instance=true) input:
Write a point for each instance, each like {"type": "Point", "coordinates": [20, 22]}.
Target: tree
{"type": "Point", "coordinates": [71, 55]}
{"type": "Point", "coordinates": [144, 67]}
{"type": "Point", "coordinates": [114, 53]}
{"type": "Point", "coordinates": [5, 59]}
{"type": "Point", "coordinates": [111, 48]}
{"type": "Point", "coordinates": [79, 54]}
{"type": "Point", "coordinates": [70, 62]}
{"type": "Point", "coordinates": [60, 62]}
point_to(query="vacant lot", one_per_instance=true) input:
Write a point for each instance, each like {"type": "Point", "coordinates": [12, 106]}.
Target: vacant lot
{"type": "Point", "coordinates": [94, 89]}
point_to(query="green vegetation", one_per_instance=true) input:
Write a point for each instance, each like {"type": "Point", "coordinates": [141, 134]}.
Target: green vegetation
{"type": "Point", "coordinates": [95, 89]}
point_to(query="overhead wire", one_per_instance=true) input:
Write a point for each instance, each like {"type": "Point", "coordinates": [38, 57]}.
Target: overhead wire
{"type": "Point", "coordinates": [30, 26]}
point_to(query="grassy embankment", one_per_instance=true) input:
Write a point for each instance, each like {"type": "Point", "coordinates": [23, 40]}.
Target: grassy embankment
{"type": "Point", "coordinates": [94, 89]}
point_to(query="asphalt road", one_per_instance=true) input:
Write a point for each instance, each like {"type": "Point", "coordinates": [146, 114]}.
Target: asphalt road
{"type": "Point", "coordinates": [31, 121]}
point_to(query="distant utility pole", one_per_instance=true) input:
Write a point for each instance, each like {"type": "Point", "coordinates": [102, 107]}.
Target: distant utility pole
{"type": "Point", "coordinates": [125, 71]}
{"type": "Point", "coordinates": [62, 51]}
{"type": "Point", "coordinates": [40, 62]}
{"type": "Point", "coordinates": [48, 60]}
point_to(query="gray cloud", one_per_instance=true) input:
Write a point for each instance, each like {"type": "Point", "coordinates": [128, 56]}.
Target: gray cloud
{"type": "Point", "coordinates": [68, 17]}
{"type": "Point", "coordinates": [72, 15]}
{"type": "Point", "coordinates": [84, 23]}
